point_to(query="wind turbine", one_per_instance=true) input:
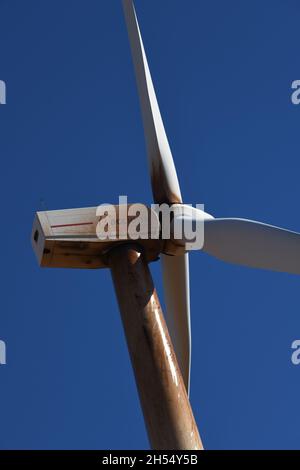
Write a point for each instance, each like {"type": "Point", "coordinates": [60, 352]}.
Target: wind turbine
{"type": "Point", "coordinates": [68, 238]}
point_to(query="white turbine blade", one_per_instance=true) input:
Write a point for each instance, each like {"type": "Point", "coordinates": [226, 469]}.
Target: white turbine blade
{"type": "Point", "coordinates": [253, 244]}
{"type": "Point", "coordinates": [165, 186]}
{"type": "Point", "coordinates": [177, 299]}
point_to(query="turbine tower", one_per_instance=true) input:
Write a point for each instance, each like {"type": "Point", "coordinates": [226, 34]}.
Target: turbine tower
{"type": "Point", "coordinates": [160, 350]}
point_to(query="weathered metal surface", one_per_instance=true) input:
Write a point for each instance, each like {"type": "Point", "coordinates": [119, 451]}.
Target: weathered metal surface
{"type": "Point", "coordinates": [167, 412]}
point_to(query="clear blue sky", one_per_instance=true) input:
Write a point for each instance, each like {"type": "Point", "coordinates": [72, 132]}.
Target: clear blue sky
{"type": "Point", "coordinates": [71, 134]}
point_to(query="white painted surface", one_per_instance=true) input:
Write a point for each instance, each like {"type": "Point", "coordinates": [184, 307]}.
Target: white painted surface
{"type": "Point", "coordinates": [161, 164]}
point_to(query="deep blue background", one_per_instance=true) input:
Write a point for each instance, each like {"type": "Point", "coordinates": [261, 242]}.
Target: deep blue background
{"type": "Point", "coordinates": [71, 134]}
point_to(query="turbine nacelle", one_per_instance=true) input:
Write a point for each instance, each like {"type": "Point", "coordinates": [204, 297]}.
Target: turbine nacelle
{"type": "Point", "coordinates": [75, 238]}
{"type": "Point", "coordinates": [80, 238]}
